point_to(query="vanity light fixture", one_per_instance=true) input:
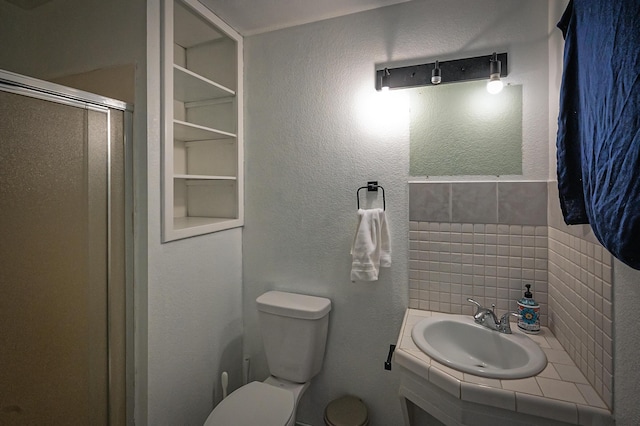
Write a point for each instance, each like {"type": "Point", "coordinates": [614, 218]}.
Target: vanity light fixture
{"type": "Point", "coordinates": [442, 72]}
{"type": "Point", "coordinates": [436, 77]}
{"type": "Point", "coordinates": [495, 84]}
{"type": "Point", "coordinates": [386, 76]}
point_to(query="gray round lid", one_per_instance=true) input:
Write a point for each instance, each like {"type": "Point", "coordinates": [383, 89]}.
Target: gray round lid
{"type": "Point", "coordinates": [256, 403]}
{"type": "Point", "coordinates": [346, 411]}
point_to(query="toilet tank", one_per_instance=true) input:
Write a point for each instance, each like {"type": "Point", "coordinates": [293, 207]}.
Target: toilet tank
{"type": "Point", "coordinates": [294, 332]}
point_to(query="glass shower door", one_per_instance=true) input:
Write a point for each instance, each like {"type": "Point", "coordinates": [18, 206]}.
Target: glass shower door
{"type": "Point", "coordinates": [54, 262]}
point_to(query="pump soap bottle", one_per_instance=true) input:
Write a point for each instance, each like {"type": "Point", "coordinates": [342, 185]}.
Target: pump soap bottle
{"type": "Point", "coordinates": [529, 311]}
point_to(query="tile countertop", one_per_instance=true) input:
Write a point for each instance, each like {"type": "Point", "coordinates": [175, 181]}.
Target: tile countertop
{"type": "Point", "coordinates": [560, 392]}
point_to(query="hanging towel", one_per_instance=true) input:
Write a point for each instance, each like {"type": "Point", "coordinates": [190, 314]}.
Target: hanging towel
{"type": "Point", "coordinates": [371, 246]}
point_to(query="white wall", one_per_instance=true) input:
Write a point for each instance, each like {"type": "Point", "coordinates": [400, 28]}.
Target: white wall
{"type": "Point", "coordinates": [70, 36]}
{"type": "Point", "coordinates": [556, 52]}
{"type": "Point", "coordinates": [316, 130]}
{"type": "Point", "coordinates": [626, 297]}
{"type": "Point", "coordinates": [195, 325]}
{"type": "Point", "coordinates": [194, 293]}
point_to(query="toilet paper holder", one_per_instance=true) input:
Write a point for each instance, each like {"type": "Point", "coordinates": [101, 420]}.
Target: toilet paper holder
{"type": "Point", "coordinates": [387, 363]}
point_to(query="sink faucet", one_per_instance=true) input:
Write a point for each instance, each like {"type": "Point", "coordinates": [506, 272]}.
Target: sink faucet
{"type": "Point", "coordinates": [487, 318]}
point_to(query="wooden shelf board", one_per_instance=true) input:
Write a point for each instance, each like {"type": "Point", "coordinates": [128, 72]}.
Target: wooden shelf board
{"type": "Point", "coordinates": [203, 177]}
{"type": "Point", "coordinates": [190, 87]}
{"type": "Point", "coordinates": [188, 132]}
{"type": "Point", "coordinates": [190, 222]}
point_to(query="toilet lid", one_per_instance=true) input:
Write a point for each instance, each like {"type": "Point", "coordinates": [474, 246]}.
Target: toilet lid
{"type": "Point", "coordinates": [256, 403]}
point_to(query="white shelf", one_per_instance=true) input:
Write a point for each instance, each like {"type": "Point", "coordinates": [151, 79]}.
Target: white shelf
{"type": "Point", "coordinates": [185, 227]}
{"type": "Point", "coordinates": [202, 93]}
{"type": "Point", "coordinates": [204, 177]}
{"type": "Point", "coordinates": [191, 87]}
{"type": "Point", "coordinates": [190, 222]}
{"type": "Point", "coordinates": [188, 132]}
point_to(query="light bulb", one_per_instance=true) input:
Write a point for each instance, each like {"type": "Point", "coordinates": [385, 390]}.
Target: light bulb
{"type": "Point", "coordinates": [494, 85]}
{"type": "Point", "coordinates": [385, 79]}
{"type": "Point", "coordinates": [495, 67]}
{"type": "Point", "coordinates": [436, 77]}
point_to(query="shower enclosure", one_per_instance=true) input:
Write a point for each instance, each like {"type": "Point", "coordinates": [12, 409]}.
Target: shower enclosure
{"type": "Point", "coordinates": [65, 223]}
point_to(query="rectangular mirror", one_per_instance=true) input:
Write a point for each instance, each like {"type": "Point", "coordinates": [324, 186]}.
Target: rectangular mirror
{"type": "Point", "coordinates": [461, 129]}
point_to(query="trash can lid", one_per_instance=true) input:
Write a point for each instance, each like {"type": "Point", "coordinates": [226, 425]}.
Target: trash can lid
{"type": "Point", "coordinates": [346, 411]}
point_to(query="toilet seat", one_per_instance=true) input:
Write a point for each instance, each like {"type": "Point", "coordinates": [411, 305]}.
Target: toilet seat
{"type": "Point", "coordinates": [256, 403]}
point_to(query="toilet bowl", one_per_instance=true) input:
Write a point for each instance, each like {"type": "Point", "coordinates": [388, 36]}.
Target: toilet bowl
{"type": "Point", "coordinates": [256, 403]}
{"type": "Point", "coordinates": [294, 332]}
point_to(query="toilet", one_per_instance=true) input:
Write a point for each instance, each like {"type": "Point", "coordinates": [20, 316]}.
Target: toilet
{"type": "Point", "coordinates": [294, 332]}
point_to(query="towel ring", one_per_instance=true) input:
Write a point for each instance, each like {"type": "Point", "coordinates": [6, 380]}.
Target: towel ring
{"type": "Point", "coordinates": [372, 186]}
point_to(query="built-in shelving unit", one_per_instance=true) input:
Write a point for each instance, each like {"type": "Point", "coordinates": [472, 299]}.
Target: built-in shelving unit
{"type": "Point", "coordinates": [202, 111]}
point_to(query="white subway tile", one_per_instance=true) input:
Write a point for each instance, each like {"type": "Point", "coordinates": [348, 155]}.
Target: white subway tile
{"type": "Point", "coordinates": [488, 396]}
{"type": "Point", "coordinates": [592, 416]}
{"type": "Point", "coordinates": [560, 390]}
{"type": "Point", "coordinates": [528, 385]}
{"type": "Point", "coordinates": [570, 373]}
{"type": "Point", "coordinates": [443, 377]}
{"type": "Point", "coordinates": [557, 410]}
{"type": "Point", "coordinates": [549, 372]}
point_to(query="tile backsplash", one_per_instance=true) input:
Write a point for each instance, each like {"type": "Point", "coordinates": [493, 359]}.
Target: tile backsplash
{"type": "Point", "coordinates": [486, 240]}
{"type": "Point", "coordinates": [450, 262]}
{"type": "Point", "coordinates": [510, 203]}
{"type": "Point", "coordinates": [580, 302]}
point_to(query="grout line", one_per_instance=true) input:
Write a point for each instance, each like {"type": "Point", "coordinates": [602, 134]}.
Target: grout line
{"type": "Point", "coordinates": [497, 203]}
{"type": "Point", "coordinates": [450, 202]}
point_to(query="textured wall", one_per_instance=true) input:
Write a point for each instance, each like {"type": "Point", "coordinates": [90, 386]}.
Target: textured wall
{"type": "Point", "coordinates": [195, 325]}
{"type": "Point", "coordinates": [68, 37]}
{"type": "Point", "coordinates": [626, 296]}
{"type": "Point", "coordinates": [316, 130]}
{"type": "Point", "coordinates": [306, 155]}
{"type": "Point", "coordinates": [194, 294]}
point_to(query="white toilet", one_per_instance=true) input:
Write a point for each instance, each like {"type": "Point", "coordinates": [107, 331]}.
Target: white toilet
{"type": "Point", "coordinates": [294, 332]}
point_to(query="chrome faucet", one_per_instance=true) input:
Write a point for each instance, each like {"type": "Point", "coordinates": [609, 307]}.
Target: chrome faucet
{"type": "Point", "coordinates": [487, 318]}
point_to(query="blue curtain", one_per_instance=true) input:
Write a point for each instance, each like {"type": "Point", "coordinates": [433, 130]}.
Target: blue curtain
{"type": "Point", "coordinates": [599, 123]}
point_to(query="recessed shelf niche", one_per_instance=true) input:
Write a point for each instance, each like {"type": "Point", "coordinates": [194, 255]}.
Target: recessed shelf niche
{"type": "Point", "coordinates": [202, 112]}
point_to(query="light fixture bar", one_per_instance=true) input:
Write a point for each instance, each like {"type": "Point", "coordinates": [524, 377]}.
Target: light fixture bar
{"type": "Point", "coordinates": [476, 68]}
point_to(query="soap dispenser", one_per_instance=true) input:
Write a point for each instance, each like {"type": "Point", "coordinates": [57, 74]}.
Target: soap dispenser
{"type": "Point", "coordinates": [529, 310]}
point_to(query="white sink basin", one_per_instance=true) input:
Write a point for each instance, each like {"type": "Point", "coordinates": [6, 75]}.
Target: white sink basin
{"type": "Point", "coordinates": [458, 342]}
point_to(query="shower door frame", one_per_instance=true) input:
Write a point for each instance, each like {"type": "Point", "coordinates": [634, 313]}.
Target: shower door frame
{"type": "Point", "coordinates": [27, 86]}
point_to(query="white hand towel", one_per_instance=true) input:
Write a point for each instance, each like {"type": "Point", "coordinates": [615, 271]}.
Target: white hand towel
{"type": "Point", "coordinates": [371, 247]}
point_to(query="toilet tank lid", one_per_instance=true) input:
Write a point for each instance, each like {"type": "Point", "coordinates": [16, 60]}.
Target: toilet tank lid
{"type": "Point", "coordinates": [293, 305]}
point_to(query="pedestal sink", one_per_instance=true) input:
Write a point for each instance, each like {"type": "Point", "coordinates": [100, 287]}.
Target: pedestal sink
{"type": "Point", "coordinates": [458, 342]}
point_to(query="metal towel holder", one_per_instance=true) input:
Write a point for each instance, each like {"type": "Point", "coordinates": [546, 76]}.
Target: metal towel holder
{"type": "Point", "coordinates": [372, 186]}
